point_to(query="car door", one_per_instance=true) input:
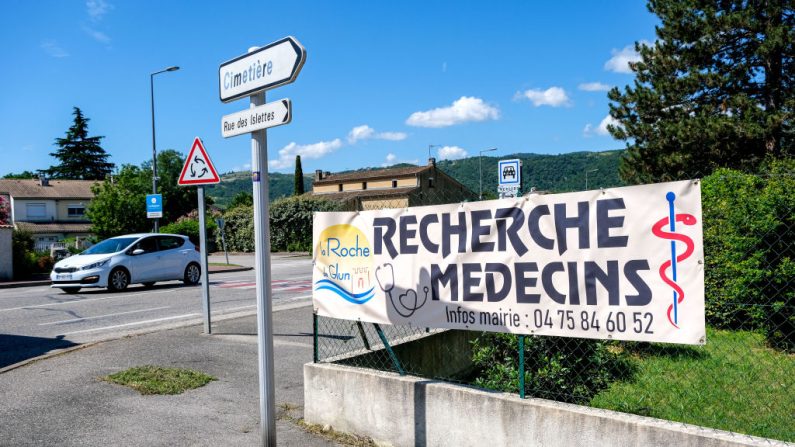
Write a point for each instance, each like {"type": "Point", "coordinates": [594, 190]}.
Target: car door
{"type": "Point", "coordinates": [171, 259]}
{"type": "Point", "coordinates": [144, 266]}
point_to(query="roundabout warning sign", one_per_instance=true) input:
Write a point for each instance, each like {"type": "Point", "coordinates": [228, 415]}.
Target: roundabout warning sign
{"type": "Point", "coordinates": [198, 169]}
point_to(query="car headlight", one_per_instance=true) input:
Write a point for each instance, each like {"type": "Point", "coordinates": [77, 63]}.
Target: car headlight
{"type": "Point", "coordinates": [95, 265]}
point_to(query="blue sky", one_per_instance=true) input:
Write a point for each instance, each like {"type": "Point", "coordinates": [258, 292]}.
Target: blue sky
{"type": "Point", "coordinates": [382, 80]}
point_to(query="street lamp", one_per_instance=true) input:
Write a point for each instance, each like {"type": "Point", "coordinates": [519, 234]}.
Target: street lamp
{"type": "Point", "coordinates": [154, 150]}
{"type": "Point", "coordinates": [586, 176]}
{"type": "Point", "coordinates": [480, 168]}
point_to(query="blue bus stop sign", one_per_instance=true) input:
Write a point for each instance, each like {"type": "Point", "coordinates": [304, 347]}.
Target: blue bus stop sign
{"type": "Point", "coordinates": [154, 206]}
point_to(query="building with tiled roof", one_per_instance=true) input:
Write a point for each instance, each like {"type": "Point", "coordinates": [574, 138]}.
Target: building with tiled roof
{"type": "Point", "coordinates": [397, 187]}
{"type": "Point", "coordinates": [52, 210]}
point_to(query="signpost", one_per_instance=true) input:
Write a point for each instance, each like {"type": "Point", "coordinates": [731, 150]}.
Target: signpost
{"type": "Point", "coordinates": [199, 171]}
{"type": "Point", "coordinates": [270, 115]}
{"type": "Point", "coordinates": [154, 206]}
{"type": "Point", "coordinates": [271, 66]}
{"type": "Point", "coordinates": [509, 174]}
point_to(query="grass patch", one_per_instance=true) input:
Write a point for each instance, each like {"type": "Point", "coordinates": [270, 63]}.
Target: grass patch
{"type": "Point", "coordinates": [286, 411]}
{"type": "Point", "coordinates": [149, 379]}
{"type": "Point", "coordinates": [734, 382]}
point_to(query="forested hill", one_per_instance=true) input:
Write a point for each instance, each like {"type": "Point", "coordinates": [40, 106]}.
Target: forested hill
{"type": "Point", "coordinates": [554, 173]}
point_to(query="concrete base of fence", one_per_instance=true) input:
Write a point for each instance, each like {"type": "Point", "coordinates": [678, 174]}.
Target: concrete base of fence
{"type": "Point", "coordinates": [411, 411]}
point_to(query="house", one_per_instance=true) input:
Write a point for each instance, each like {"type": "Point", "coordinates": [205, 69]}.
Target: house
{"type": "Point", "coordinates": [52, 210]}
{"type": "Point", "coordinates": [398, 187]}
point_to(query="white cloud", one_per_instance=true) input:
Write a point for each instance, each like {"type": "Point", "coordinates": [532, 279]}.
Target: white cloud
{"type": "Point", "coordinates": [594, 87]}
{"type": "Point", "coordinates": [306, 151]}
{"type": "Point", "coordinates": [553, 97]}
{"type": "Point", "coordinates": [365, 132]}
{"type": "Point", "coordinates": [452, 153]}
{"type": "Point", "coordinates": [464, 109]}
{"type": "Point", "coordinates": [53, 49]}
{"type": "Point", "coordinates": [619, 63]}
{"type": "Point", "coordinates": [601, 129]}
{"type": "Point", "coordinates": [97, 9]}
{"type": "Point", "coordinates": [245, 167]}
{"type": "Point", "coordinates": [391, 158]}
{"type": "Point", "coordinates": [99, 36]}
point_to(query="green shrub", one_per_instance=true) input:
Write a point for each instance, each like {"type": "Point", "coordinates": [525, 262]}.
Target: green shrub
{"type": "Point", "coordinates": [291, 221]}
{"type": "Point", "coordinates": [187, 226]}
{"type": "Point", "coordinates": [238, 229]}
{"type": "Point", "coordinates": [750, 251]}
{"type": "Point", "coordinates": [563, 369]}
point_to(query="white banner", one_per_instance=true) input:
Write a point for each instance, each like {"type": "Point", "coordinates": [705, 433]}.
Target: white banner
{"type": "Point", "coordinates": [622, 264]}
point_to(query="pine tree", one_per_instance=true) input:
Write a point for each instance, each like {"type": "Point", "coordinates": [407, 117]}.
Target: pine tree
{"type": "Point", "coordinates": [714, 90]}
{"type": "Point", "coordinates": [81, 157]}
{"type": "Point", "coordinates": [299, 177]}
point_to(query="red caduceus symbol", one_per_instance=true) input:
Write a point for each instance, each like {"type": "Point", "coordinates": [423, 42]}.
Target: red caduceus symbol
{"type": "Point", "coordinates": [657, 229]}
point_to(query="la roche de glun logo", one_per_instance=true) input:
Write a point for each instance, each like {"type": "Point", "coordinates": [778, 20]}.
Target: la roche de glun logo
{"type": "Point", "coordinates": [345, 258]}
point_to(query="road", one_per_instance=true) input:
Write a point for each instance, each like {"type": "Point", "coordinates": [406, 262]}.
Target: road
{"type": "Point", "coordinates": [36, 320]}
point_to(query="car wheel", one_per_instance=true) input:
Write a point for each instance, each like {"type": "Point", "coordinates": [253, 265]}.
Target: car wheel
{"type": "Point", "coordinates": [192, 274]}
{"type": "Point", "coordinates": [71, 290]}
{"type": "Point", "coordinates": [149, 284]}
{"type": "Point", "coordinates": [118, 280]}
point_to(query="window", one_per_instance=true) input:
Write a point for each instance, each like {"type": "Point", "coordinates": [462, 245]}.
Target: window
{"type": "Point", "coordinates": [148, 245]}
{"type": "Point", "coordinates": [394, 183]}
{"type": "Point", "coordinates": [430, 182]}
{"type": "Point", "coordinates": [169, 242]}
{"type": "Point", "coordinates": [340, 187]}
{"type": "Point", "coordinates": [75, 210]}
{"type": "Point", "coordinates": [36, 210]}
{"type": "Point", "coordinates": [364, 185]}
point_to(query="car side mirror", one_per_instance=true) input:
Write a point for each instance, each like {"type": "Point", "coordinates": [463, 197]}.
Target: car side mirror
{"type": "Point", "coordinates": [137, 252]}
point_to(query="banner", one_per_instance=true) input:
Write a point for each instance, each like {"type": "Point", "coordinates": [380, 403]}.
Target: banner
{"type": "Point", "coordinates": [622, 264]}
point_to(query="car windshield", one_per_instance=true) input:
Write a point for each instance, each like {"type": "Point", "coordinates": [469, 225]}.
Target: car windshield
{"type": "Point", "coordinates": [110, 246]}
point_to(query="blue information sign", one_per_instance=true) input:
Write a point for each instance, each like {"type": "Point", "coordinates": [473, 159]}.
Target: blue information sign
{"type": "Point", "coordinates": [154, 206]}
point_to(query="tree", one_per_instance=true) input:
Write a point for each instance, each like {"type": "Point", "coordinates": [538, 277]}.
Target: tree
{"type": "Point", "coordinates": [3, 211]}
{"type": "Point", "coordinates": [22, 175]}
{"type": "Point", "coordinates": [715, 90]}
{"type": "Point", "coordinates": [299, 177]}
{"type": "Point", "coordinates": [119, 204]}
{"type": "Point", "coordinates": [243, 198]}
{"type": "Point", "coordinates": [81, 157]}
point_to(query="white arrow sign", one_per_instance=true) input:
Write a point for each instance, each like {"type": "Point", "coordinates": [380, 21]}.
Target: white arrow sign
{"type": "Point", "coordinates": [271, 114]}
{"type": "Point", "coordinates": [271, 66]}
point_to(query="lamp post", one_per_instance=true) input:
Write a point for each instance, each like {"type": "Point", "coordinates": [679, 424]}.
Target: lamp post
{"type": "Point", "coordinates": [154, 147]}
{"type": "Point", "coordinates": [480, 169]}
{"type": "Point", "coordinates": [586, 176]}
{"type": "Point", "coordinates": [431, 146]}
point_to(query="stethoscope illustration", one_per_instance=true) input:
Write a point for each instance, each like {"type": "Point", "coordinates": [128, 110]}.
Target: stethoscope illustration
{"type": "Point", "coordinates": [387, 284]}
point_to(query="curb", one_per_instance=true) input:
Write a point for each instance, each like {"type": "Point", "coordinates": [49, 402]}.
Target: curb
{"type": "Point", "coordinates": [46, 282]}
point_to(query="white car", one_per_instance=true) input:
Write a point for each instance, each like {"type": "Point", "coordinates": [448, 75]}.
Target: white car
{"type": "Point", "coordinates": [118, 262]}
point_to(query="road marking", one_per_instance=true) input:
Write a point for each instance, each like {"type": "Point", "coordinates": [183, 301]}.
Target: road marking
{"type": "Point", "coordinates": [60, 303]}
{"type": "Point", "coordinates": [103, 316]}
{"type": "Point", "coordinates": [225, 309]}
{"type": "Point", "coordinates": [132, 324]}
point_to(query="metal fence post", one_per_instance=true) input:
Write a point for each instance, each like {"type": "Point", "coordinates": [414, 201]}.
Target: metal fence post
{"type": "Point", "coordinates": [315, 357]}
{"type": "Point", "coordinates": [389, 350]}
{"type": "Point", "coordinates": [521, 366]}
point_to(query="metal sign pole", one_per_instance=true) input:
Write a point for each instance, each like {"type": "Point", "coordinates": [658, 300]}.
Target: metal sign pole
{"type": "Point", "coordinates": [203, 249]}
{"type": "Point", "coordinates": [262, 249]}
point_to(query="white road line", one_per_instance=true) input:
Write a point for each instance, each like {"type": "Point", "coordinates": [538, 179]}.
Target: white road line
{"type": "Point", "coordinates": [84, 300]}
{"type": "Point", "coordinates": [236, 308]}
{"type": "Point", "coordinates": [132, 324]}
{"type": "Point", "coordinates": [103, 316]}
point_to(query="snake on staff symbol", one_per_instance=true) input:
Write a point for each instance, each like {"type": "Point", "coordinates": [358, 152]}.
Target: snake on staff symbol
{"type": "Point", "coordinates": [657, 229]}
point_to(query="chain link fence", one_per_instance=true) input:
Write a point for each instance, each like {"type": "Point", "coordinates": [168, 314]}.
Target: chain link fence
{"type": "Point", "coordinates": [741, 380]}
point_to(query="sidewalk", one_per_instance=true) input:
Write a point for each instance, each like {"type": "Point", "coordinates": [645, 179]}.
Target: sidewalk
{"type": "Point", "coordinates": [62, 400]}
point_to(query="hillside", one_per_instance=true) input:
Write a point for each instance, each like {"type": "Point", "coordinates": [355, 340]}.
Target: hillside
{"type": "Point", "coordinates": [554, 173]}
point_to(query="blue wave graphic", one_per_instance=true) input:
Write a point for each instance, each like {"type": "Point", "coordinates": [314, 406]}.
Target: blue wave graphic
{"type": "Point", "coordinates": [355, 298]}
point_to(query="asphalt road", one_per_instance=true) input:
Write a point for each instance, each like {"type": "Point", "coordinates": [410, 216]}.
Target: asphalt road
{"type": "Point", "coordinates": [37, 320]}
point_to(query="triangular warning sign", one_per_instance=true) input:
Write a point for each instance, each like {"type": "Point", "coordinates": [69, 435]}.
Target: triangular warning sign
{"type": "Point", "coordinates": [198, 169]}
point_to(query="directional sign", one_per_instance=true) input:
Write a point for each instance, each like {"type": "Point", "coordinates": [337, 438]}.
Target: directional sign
{"type": "Point", "coordinates": [154, 206]}
{"type": "Point", "coordinates": [198, 169]}
{"type": "Point", "coordinates": [271, 66]}
{"type": "Point", "coordinates": [271, 114]}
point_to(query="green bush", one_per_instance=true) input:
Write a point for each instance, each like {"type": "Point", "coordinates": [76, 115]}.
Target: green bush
{"type": "Point", "coordinates": [563, 369]}
{"type": "Point", "coordinates": [26, 260]}
{"type": "Point", "coordinates": [238, 229]}
{"type": "Point", "coordinates": [750, 251]}
{"type": "Point", "coordinates": [190, 227]}
{"type": "Point", "coordinates": [291, 221]}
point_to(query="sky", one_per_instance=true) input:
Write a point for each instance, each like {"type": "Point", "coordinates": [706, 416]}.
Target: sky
{"type": "Point", "coordinates": [383, 83]}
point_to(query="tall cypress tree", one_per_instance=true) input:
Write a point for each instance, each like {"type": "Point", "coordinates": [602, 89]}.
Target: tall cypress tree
{"type": "Point", "coordinates": [81, 157]}
{"type": "Point", "coordinates": [298, 187]}
{"type": "Point", "coordinates": [714, 90]}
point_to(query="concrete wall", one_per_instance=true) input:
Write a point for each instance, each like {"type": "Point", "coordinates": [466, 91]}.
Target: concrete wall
{"type": "Point", "coordinates": [410, 411]}
{"type": "Point", "coordinates": [6, 261]}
